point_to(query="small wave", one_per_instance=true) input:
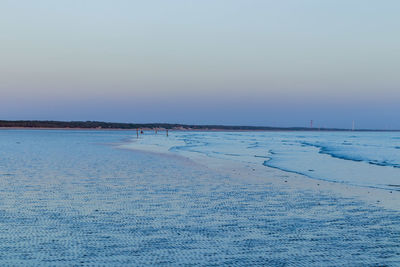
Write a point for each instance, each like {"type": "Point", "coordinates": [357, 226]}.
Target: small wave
{"type": "Point", "coordinates": [397, 186]}
{"type": "Point", "coordinates": [267, 164]}
{"type": "Point", "coordinates": [335, 154]}
{"type": "Point", "coordinates": [384, 163]}
{"type": "Point", "coordinates": [230, 154]}
{"type": "Point", "coordinates": [347, 143]}
{"type": "Point", "coordinates": [264, 157]}
{"type": "Point", "coordinates": [253, 145]}
{"type": "Point", "coordinates": [310, 174]}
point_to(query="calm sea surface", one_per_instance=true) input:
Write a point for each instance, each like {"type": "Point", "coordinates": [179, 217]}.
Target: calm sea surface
{"type": "Point", "coordinates": [70, 198]}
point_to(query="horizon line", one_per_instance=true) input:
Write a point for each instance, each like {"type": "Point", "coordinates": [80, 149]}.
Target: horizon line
{"type": "Point", "coordinates": [93, 124]}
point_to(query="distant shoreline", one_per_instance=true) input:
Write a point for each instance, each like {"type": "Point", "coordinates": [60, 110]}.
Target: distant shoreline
{"type": "Point", "coordinates": [97, 125]}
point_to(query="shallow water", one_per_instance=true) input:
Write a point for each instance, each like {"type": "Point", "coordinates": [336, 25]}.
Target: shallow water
{"type": "Point", "coordinates": [67, 198]}
{"type": "Point", "coordinates": [370, 159]}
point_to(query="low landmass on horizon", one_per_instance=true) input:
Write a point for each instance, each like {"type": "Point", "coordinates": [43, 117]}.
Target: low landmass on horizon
{"type": "Point", "coordinates": [170, 126]}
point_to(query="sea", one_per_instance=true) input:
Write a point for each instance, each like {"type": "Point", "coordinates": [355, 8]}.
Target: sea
{"type": "Point", "coordinates": [112, 198]}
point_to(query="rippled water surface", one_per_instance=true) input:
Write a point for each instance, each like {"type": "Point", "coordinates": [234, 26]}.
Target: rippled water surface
{"type": "Point", "coordinates": [68, 198]}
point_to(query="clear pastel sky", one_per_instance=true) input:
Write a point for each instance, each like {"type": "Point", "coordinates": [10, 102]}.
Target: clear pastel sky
{"type": "Point", "coordinates": [248, 62]}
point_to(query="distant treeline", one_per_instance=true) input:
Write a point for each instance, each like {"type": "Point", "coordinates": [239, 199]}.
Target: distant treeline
{"type": "Point", "coordinates": [115, 125]}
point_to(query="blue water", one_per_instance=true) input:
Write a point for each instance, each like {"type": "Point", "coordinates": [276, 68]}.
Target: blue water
{"type": "Point", "coordinates": [370, 159]}
{"type": "Point", "coordinates": [75, 198]}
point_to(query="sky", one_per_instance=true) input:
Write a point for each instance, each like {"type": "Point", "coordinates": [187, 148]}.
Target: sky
{"type": "Point", "coordinates": [232, 62]}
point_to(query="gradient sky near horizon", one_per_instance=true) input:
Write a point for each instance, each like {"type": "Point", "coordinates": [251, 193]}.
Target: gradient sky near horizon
{"type": "Point", "coordinates": [247, 62]}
